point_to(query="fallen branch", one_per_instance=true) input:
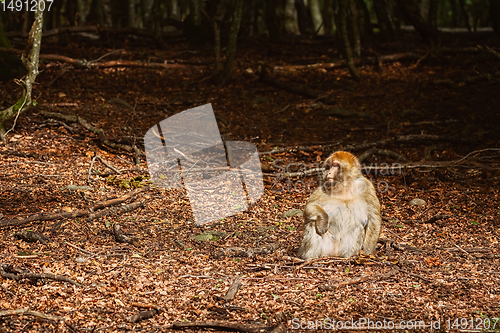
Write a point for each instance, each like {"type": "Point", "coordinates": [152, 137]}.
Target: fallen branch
{"type": "Point", "coordinates": [109, 30]}
{"type": "Point", "coordinates": [115, 170]}
{"type": "Point", "coordinates": [395, 168]}
{"type": "Point", "coordinates": [83, 63]}
{"type": "Point", "coordinates": [367, 145]}
{"type": "Point", "coordinates": [29, 312]}
{"type": "Point", "coordinates": [9, 272]}
{"type": "Point", "coordinates": [120, 237]}
{"type": "Point", "coordinates": [469, 249]}
{"type": "Point", "coordinates": [357, 280]}
{"type": "Point", "coordinates": [342, 63]}
{"type": "Point", "coordinates": [434, 218]}
{"type": "Point", "coordinates": [233, 289]}
{"type": "Point", "coordinates": [382, 152]}
{"type": "Point", "coordinates": [97, 131]}
{"type": "Point", "coordinates": [296, 89]}
{"type": "Point", "coordinates": [398, 246]}
{"type": "Point", "coordinates": [220, 325]}
{"type": "Point", "coordinates": [116, 210]}
{"type": "Point", "coordinates": [80, 249]}
{"type": "Point", "coordinates": [143, 315]}
{"type": "Point", "coordinates": [69, 215]}
{"type": "Point", "coordinates": [7, 291]}
{"type": "Point", "coordinates": [117, 201]}
{"type": "Point", "coordinates": [413, 274]}
{"type": "Point", "coordinates": [489, 50]}
{"type": "Point", "coordinates": [31, 236]}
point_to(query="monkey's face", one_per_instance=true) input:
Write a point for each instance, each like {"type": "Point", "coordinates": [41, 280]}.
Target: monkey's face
{"type": "Point", "coordinates": [334, 174]}
{"type": "Point", "coordinates": [340, 171]}
{"type": "Point", "coordinates": [334, 170]}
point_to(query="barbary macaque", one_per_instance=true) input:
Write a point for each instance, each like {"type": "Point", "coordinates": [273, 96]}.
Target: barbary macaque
{"type": "Point", "coordinates": [343, 215]}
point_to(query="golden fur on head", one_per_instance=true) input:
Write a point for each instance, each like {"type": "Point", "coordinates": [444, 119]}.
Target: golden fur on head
{"type": "Point", "coordinates": [345, 157]}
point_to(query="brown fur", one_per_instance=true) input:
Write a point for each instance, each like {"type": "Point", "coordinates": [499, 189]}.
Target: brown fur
{"type": "Point", "coordinates": [343, 215]}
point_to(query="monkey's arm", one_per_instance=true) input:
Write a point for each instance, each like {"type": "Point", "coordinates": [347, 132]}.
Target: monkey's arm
{"type": "Point", "coordinates": [315, 214]}
{"type": "Point", "coordinates": [374, 220]}
{"type": "Point", "coordinates": [372, 234]}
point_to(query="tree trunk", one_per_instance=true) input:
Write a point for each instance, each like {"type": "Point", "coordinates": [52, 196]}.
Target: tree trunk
{"type": "Point", "coordinates": [354, 25]}
{"type": "Point", "coordinates": [302, 17]}
{"type": "Point", "coordinates": [195, 31]}
{"type": "Point", "coordinates": [327, 17]}
{"type": "Point", "coordinates": [217, 19]}
{"type": "Point", "coordinates": [464, 14]}
{"type": "Point", "coordinates": [424, 9]}
{"type": "Point", "coordinates": [367, 24]}
{"type": "Point", "coordinates": [383, 19]}
{"type": "Point", "coordinates": [316, 17]}
{"type": "Point", "coordinates": [223, 77]}
{"type": "Point", "coordinates": [272, 21]}
{"type": "Point", "coordinates": [411, 13]}
{"type": "Point", "coordinates": [31, 63]}
{"type": "Point", "coordinates": [433, 11]}
{"type": "Point", "coordinates": [495, 15]}
{"type": "Point", "coordinates": [97, 12]}
{"type": "Point", "coordinates": [119, 17]}
{"type": "Point", "coordinates": [344, 37]}
{"type": "Point", "coordinates": [174, 9]}
{"type": "Point", "coordinates": [290, 18]}
{"type": "Point", "coordinates": [147, 7]}
{"type": "Point", "coordinates": [454, 13]}
{"type": "Point", "coordinates": [131, 13]}
{"type": "Point", "coordinates": [82, 11]}
{"type": "Point", "coordinates": [252, 18]}
{"type": "Point", "coordinates": [70, 12]}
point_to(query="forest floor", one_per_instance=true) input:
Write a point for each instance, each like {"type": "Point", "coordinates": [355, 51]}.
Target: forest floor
{"type": "Point", "coordinates": [437, 263]}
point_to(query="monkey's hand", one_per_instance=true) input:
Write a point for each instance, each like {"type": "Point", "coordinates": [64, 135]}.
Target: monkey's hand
{"type": "Point", "coordinates": [317, 215]}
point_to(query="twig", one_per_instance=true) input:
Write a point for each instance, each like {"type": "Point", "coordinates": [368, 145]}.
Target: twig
{"type": "Point", "coordinates": [196, 276]}
{"type": "Point", "coordinates": [7, 272]}
{"type": "Point", "coordinates": [29, 312]}
{"type": "Point", "coordinates": [361, 146]}
{"type": "Point", "coordinates": [107, 164]}
{"type": "Point", "coordinates": [79, 213]}
{"type": "Point", "coordinates": [120, 237]}
{"type": "Point", "coordinates": [383, 152]}
{"type": "Point", "coordinates": [467, 253]}
{"type": "Point", "coordinates": [80, 249]}
{"type": "Point", "coordinates": [143, 315]}
{"type": "Point", "coordinates": [7, 291]}
{"type": "Point", "coordinates": [413, 274]}
{"type": "Point", "coordinates": [474, 152]}
{"type": "Point", "coordinates": [90, 168]}
{"type": "Point", "coordinates": [358, 280]}
{"type": "Point", "coordinates": [98, 131]}
{"type": "Point", "coordinates": [469, 250]}
{"type": "Point", "coordinates": [489, 50]}
{"type": "Point", "coordinates": [116, 210]}
{"type": "Point", "coordinates": [233, 289]}
{"type": "Point", "coordinates": [435, 218]}
{"type": "Point", "coordinates": [221, 325]}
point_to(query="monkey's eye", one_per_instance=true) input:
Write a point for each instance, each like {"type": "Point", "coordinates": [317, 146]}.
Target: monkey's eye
{"type": "Point", "coordinates": [335, 165]}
